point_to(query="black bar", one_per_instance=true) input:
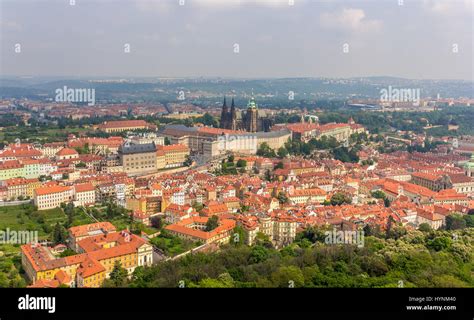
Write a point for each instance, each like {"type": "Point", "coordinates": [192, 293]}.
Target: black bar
{"type": "Point", "coordinates": [102, 302]}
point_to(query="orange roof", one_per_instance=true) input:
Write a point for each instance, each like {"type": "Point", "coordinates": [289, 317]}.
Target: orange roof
{"type": "Point", "coordinates": [41, 191]}
{"type": "Point", "coordinates": [449, 194]}
{"type": "Point", "coordinates": [16, 181]}
{"type": "Point", "coordinates": [425, 175]}
{"type": "Point", "coordinates": [11, 164]}
{"type": "Point", "coordinates": [43, 283]}
{"type": "Point", "coordinates": [84, 230]}
{"type": "Point", "coordinates": [308, 192]}
{"type": "Point", "coordinates": [90, 267]}
{"type": "Point", "coordinates": [185, 227]}
{"type": "Point", "coordinates": [66, 152]}
{"type": "Point", "coordinates": [173, 147]}
{"type": "Point", "coordinates": [21, 153]}
{"type": "Point", "coordinates": [332, 126]}
{"type": "Point", "coordinates": [124, 124]}
{"type": "Point", "coordinates": [88, 263]}
{"type": "Point", "coordinates": [217, 131]}
{"type": "Point", "coordinates": [84, 187]}
{"type": "Point", "coordinates": [302, 127]}
{"type": "Point", "coordinates": [215, 208]}
{"type": "Point", "coordinates": [62, 277]}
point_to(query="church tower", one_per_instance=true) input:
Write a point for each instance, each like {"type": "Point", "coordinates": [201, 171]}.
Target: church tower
{"type": "Point", "coordinates": [224, 116]}
{"type": "Point", "coordinates": [251, 119]}
{"type": "Point", "coordinates": [233, 116]}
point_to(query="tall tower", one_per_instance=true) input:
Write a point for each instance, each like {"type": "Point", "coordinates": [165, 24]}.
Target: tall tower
{"type": "Point", "coordinates": [251, 119]}
{"type": "Point", "coordinates": [233, 116]}
{"type": "Point", "coordinates": [224, 116]}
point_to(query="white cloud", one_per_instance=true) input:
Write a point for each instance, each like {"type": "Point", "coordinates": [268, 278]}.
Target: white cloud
{"type": "Point", "coordinates": [449, 7]}
{"type": "Point", "coordinates": [353, 20]}
{"type": "Point", "coordinates": [10, 25]}
{"type": "Point", "coordinates": [220, 3]}
{"type": "Point", "coordinates": [154, 5]}
{"type": "Point", "coordinates": [164, 5]}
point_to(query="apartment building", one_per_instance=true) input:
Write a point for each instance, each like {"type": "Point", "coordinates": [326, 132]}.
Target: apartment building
{"type": "Point", "coordinates": [171, 156]}
{"type": "Point", "coordinates": [123, 125]}
{"type": "Point", "coordinates": [297, 196]}
{"type": "Point", "coordinates": [138, 158]}
{"type": "Point", "coordinates": [49, 197]}
{"type": "Point", "coordinates": [281, 230]}
{"type": "Point", "coordinates": [20, 187]}
{"type": "Point", "coordinates": [84, 194]}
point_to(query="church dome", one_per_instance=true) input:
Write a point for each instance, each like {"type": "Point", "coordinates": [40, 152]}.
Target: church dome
{"type": "Point", "coordinates": [252, 104]}
{"type": "Point", "coordinates": [470, 163]}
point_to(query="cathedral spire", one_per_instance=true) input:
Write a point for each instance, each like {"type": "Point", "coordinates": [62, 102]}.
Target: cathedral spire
{"type": "Point", "coordinates": [224, 115]}
{"type": "Point", "coordinates": [233, 115]}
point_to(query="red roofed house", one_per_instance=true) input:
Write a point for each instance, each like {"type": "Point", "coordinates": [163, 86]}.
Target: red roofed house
{"type": "Point", "coordinates": [49, 197]}
{"type": "Point", "coordinates": [66, 154]}
{"type": "Point", "coordinates": [84, 194]}
{"type": "Point", "coordinates": [175, 213]}
{"type": "Point", "coordinates": [79, 233]}
{"type": "Point", "coordinates": [307, 195]}
{"type": "Point", "coordinates": [195, 229]}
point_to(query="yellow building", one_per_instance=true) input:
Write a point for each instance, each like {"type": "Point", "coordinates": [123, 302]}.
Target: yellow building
{"type": "Point", "coordinates": [307, 195]}
{"type": "Point", "coordinates": [11, 169]}
{"type": "Point", "coordinates": [174, 155]}
{"type": "Point", "coordinates": [97, 254]}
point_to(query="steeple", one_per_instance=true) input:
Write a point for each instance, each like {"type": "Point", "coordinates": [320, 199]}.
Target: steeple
{"type": "Point", "coordinates": [232, 107]}
{"type": "Point", "coordinates": [233, 116]}
{"type": "Point", "coordinates": [224, 115]}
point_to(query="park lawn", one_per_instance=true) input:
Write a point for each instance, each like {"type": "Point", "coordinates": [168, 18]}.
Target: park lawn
{"type": "Point", "coordinates": [52, 216]}
{"type": "Point", "coordinates": [172, 245]}
{"type": "Point", "coordinates": [150, 230]}
{"type": "Point", "coordinates": [81, 218]}
{"type": "Point", "coordinates": [15, 218]}
{"type": "Point", "coordinates": [8, 216]}
{"type": "Point", "coordinates": [120, 223]}
{"type": "Point", "coordinates": [40, 134]}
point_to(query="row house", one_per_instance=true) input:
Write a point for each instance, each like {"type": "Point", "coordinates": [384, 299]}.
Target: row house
{"type": "Point", "coordinates": [49, 197]}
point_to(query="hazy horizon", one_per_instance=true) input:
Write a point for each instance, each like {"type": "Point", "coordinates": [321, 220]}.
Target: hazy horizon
{"type": "Point", "coordinates": [237, 39]}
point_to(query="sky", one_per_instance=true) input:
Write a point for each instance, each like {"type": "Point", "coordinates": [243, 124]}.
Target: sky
{"type": "Point", "coordinates": [417, 39]}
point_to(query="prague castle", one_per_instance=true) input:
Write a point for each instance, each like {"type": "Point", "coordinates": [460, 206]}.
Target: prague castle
{"type": "Point", "coordinates": [253, 120]}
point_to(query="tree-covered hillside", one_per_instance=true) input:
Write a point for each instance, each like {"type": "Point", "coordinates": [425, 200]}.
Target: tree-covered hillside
{"type": "Point", "coordinates": [413, 259]}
